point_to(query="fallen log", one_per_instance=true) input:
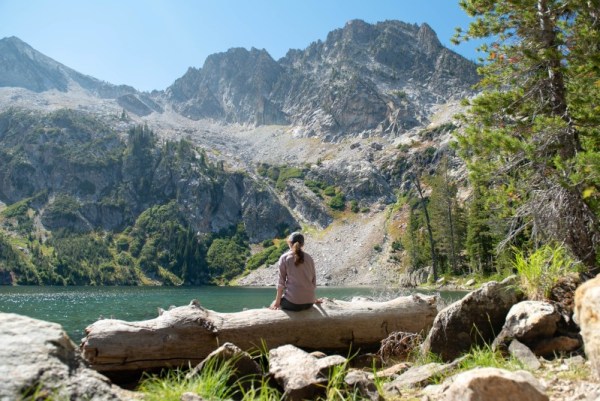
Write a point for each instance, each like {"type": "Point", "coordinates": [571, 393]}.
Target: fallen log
{"type": "Point", "coordinates": [187, 334]}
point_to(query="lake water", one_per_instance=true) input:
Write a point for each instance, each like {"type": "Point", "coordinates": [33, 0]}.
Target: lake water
{"type": "Point", "coordinates": [77, 307]}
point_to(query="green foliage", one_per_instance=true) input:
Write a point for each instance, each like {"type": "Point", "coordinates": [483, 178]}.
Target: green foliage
{"type": "Point", "coordinates": [481, 241]}
{"type": "Point", "coordinates": [338, 202]}
{"type": "Point", "coordinates": [64, 206]}
{"type": "Point", "coordinates": [485, 357]}
{"type": "Point", "coordinates": [212, 383]}
{"type": "Point", "coordinates": [354, 206]}
{"type": "Point", "coordinates": [17, 209]}
{"type": "Point", "coordinates": [225, 258]}
{"type": "Point", "coordinates": [287, 173]}
{"type": "Point", "coordinates": [139, 159]}
{"type": "Point", "coordinates": [158, 247]}
{"type": "Point", "coordinates": [447, 219]}
{"type": "Point", "coordinates": [400, 94]}
{"type": "Point", "coordinates": [540, 270]}
{"type": "Point", "coordinates": [260, 391]}
{"type": "Point", "coordinates": [162, 240]}
{"type": "Point", "coordinates": [434, 132]}
{"type": "Point", "coordinates": [329, 191]}
{"type": "Point", "coordinates": [531, 136]}
{"type": "Point", "coordinates": [15, 265]}
{"type": "Point", "coordinates": [268, 256]}
{"type": "Point", "coordinates": [279, 174]}
{"type": "Point", "coordinates": [414, 240]}
{"type": "Point", "coordinates": [85, 259]}
{"type": "Point", "coordinates": [315, 186]}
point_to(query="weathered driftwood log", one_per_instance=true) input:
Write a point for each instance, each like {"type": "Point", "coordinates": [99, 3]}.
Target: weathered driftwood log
{"type": "Point", "coordinates": [187, 334]}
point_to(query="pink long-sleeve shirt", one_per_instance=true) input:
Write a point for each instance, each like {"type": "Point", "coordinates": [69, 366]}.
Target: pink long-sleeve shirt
{"type": "Point", "coordinates": [299, 282]}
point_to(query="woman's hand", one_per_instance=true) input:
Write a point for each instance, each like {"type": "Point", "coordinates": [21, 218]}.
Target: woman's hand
{"type": "Point", "coordinates": [319, 300]}
{"type": "Point", "coordinates": [275, 305]}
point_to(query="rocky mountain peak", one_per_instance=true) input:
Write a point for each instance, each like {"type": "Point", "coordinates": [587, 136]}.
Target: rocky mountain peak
{"type": "Point", "coordinates": [22, 66]}
{"type": "Point", "coordinates": [234, 86]}
{"type": "Point", "coordinates": [363, 79]}
{"type": "Point", "coordinates": [427, 39]}
{"type": "Point", "coordinates": [381, 78]}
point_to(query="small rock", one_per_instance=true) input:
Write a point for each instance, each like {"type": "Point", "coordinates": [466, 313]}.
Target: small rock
{"type": "Point", "coordinates": [191, 397]}
{"type": "Point", "coordinates": [361, 383]}
{"type": "Point", "coordinates": [318, 354]}
{"type": "Point", "coordinates": [470, 282]}
{"type": "Point", "coordinates": [524, 355]}
{"type": "Point", "coordinates": [418, 376]}
{"type": "Point", "coordinates": [495, 384]}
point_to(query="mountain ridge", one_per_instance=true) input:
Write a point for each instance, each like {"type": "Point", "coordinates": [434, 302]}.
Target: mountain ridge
{"type": "Point", "coordinates": [381, 79]}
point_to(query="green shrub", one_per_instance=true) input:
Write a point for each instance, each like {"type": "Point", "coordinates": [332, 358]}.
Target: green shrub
{"type": "Point", "coordinates": [267, 257]}
{"type": "Point", "coordinates": [315, 186]}
{"type": "Point", "coordinates": [397, 246]}
{"type": "Point", "coordinates": [354, 206]}
{"type": "Point", "coordinates": [286, 173]}
{"type": "Point", "coordinates": [337, 202]}
{"type": "Point", "coordinates": [64, 206]}
{"type": "Point", "coordinates": [226, 258]}
{"type": "Point", "coordinates": [329, 191]}
{"type": "Point", "coordinates": [540, 270]}
{"type": "Point", "coordinates": [17, 209]}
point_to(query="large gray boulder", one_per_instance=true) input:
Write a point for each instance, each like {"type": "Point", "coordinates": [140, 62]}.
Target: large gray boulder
{"type": "Point", "coordinates": [587, 315]}
{"type": "Point", "coordinates": [528, 322]}
{"type": "Point", "coordinates": [37, 357]}
{"type": "Point", "coordinates": [495, 384]}
{"type": "Point", "coordinates": [473, 320]}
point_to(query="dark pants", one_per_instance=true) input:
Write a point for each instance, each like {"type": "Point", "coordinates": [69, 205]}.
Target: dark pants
{"type": "Point", "coordinates": [287, 305]}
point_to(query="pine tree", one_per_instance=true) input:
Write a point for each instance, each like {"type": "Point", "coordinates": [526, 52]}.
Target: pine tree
{"type": "Point", "coordinates": [447, 227]}
{"type": "Point", "coordinates": [423, 202]}
{"type": "Point", "coordinates": [533, 133]}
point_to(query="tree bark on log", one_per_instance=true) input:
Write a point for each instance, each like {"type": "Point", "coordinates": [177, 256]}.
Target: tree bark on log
{"type": "Point", "coordinates": [186, 335]}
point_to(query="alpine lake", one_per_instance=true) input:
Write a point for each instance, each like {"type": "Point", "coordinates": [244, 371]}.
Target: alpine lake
{"type": "Point", "coordinates": [77, 307]}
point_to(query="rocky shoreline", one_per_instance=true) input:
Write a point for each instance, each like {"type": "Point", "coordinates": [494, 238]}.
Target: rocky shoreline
{"type": "Point", "coordinates": [41, 362]}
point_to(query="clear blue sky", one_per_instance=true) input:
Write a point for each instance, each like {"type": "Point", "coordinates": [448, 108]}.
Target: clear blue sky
{"type": "Point", "coordinates": [150, 43]}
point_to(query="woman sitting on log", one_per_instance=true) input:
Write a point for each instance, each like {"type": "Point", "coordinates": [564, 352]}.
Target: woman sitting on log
{"type": "Point", "coordinates": [297, 278]}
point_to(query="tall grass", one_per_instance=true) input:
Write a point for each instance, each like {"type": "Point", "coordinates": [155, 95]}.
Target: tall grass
{"type": "Point", "coordinates": [485, 356]}
{"type": "Point", "coordinates": [262, 392]}
{"type": "Point", "coordinates": [337, 389]}
{"type": "Point", "coordinates": [211, 383]}
{"type": "Point", "coordinates": [540, 270]}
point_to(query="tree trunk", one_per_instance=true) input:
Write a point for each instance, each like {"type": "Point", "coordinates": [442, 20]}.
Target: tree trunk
{"type": "Point", "coordinates": [417, 184]}
{"type": "Point", "coordinates": [187, 334]}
